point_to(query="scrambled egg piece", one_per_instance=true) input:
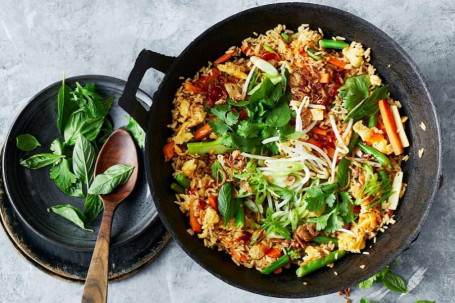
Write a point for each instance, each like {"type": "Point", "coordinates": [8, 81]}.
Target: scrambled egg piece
{"type": "Point", "coordinates": [354, 53]}
{"type": "Point", "coordinates": [183, 135]}
{"type": "Point", "coordinates": [189, 167]}
{"type": "Point", "coordinates": [353, 243]}
{"type": "Point", "coordinates": [232, 69]}
{"type": "Point", "coordinates": [374, 137]}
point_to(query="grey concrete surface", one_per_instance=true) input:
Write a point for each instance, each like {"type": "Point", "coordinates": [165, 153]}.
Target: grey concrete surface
{"type": "Point", "coordinates": [40, 39]}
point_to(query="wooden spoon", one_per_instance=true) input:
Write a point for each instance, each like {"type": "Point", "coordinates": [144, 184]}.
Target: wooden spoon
{"type": "Point", "coordinates": [118, 149]}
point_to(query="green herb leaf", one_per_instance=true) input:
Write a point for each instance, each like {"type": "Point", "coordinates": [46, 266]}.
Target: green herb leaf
{"type": "Point", "coordinates": [368, 282]}
{"type": "Point", "coordinates": [136, 131]}
{"type": "Point", "coordinates": [62, 175]}
{"type": "Point", "coordinates": [58, 148]}
{"type": "Point", "coordinates": [369, 106]}
{"type": "Point", "coordinates": [217, 170]}
{"type": "Point", "coordinates": [273, 226]}
{"type": "Point", "coordinates": [72, 214]}
{"type": "Point", "coordinates": [226, 203]}
{"type": "Point", "coordinates": [74, 190]}
{"type": "Point", "coordinates": [279, 116]}
{"type": "Point", "coordinates": [318, 195]}
{"type": "Point", "coordinates": [346, 207]}
{"type": "Point", "coordinates": [394, 282]}
{"type": "Point", "coordinates": [264, 90]}
{"type": "Point", "coordinates": [343, 172]}
{"type": "Point", "coordinates": [79, 123]}
{"type": "Point", "coordinates": [114, 176]}
{"type": "Point", "coordinates": [364, 300]}
{"type": "Point", "coordinates": [41, 160]}
{"type": "Point", "coordinates": [84, 157]}
{"type": "Point", "coordinates": [321, 221]}
{"type": "Point", "coordinates": [65, 106]}
{"type": "Point", "coordinates": [27, 142]}
{"type": "Point", "coordinates": [93, 207]}
{"type": "Point", "coordinates": [354, 90]}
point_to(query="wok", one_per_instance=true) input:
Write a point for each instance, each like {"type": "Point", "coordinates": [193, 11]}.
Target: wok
{"type": "Point", "coordinates": [396, 69]}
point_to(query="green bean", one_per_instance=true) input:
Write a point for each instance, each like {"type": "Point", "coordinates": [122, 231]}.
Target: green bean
{"type": "Point", "coordinates": [282, 261]}
{"type": "Point", "coordinates": [373, 120]}
{"type": "Point", "coordinates": [315, 265]}
{"type": "Point", "coordinates": [382, 159]}
{"type": "Point", "coordinates": [353, 142]}
{"type": "Point", "coordinates": [312, 53]}
{"type": "Point", "coordinates": [240, 216]}
{"type": "Point", "coordinates": [285, 37]}
{"type": "Point", "coordinates": [335, 44]}
{"type": "Point", "coordinates": [269, 49]}
{"type": "Point", "coordinates": [177, 188]}
{"type": "Point", "coordinates": [182, 181]}
{"type": "Point", "coordinates": [324, 240]}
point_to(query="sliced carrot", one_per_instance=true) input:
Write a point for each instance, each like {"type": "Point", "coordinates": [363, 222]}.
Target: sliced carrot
{"type": "Point", "coordinates": [239, 257]}
{"type": "Point", "coordinates": [314, 142]}
{"type": "Point", "coordinates": [213, 202]}
{"type": "Point", "coordinates": [330, 152]}
{"type": "Point", "coordinates": [390, 127]}
{"type": "Point", "coordinates": [246, 49]}
{"type": "Point", "coordinates": [319, 131]}
{"type": "Point", "coordinates": [223, 58]}
{"type": "Point", "coordinates": [192, 88]}
{"type": "Point", "coordinates": [273, 253]}
{"type": "Point", "coordinates": [169, 150]}
{"type": "Point", "coordinates": [336, 62]}
{"type": "Point", "coordinates": [278, 271]}
{"type": "Point", "coordinates": [324, 78]}
{"type": "Point", "coordinates": [202, 132]}
{"type": "Point", "coordinates": [195, 225]}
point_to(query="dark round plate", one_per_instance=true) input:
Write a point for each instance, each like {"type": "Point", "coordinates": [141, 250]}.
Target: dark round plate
{"type": "Point", "coordinates": [70, 265]}
{"type": "Point", "coordinates": [31, 192]}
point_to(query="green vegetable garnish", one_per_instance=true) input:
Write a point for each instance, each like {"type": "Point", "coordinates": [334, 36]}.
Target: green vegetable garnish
{"type": "Point", "coordinates": [312, 53]}
{"type": "Point", "coordinates": [72, 214]}
{"type": "Point", "coordinates": [282, 261]}
{"type": "Point", "coordinates": [136, 131]}
{"type": "Point", "coordinates": [227, 205]}
{"type": "Point", "coordinates": [182, 181]}
{"type": "Point", "coordinates": [314, 265]}
{"type": "Point", "coordinates": [114, 176]}
{"type": "Point", "coordinates": [335, 44]}
{"type": "Point", "coordinates": [286, 37]}
{"type": "Point", "coordinates": [27, 142]}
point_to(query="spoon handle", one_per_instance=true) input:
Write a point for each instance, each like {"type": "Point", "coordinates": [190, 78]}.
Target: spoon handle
{"type": "Point", "coordinates": [95, 289]}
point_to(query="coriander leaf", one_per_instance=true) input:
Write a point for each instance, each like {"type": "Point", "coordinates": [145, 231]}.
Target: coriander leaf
{"type": "Point", "coordinates": [58, 147]}
{"type": "Point", "coordinates": [321, 221]}
{"type": "Point", "coordinates": [315, 199]}
{"type": "Point", "coordinates": [65, 106]}
{"type": "Point", "coordinates": [40, 160]}
{"type": "Point", "coordinates": [248, 130]}
{"type": "Point", "coordinates": [226, 203]}
{"type": "Point", "coordinates": [394, 282]}
{"type": "Point", "coordinates": [136, 131]}
{"type": "Point", "coordinates": [250, 145]}
{"type": "Point", "coordinates": [369, 106]}
{"type": "Point", "coordinates": [220, 111]}
{"type": "Point", "coordinates": [335, 222]}
{"type": "Point", "coordinates": [263, 92]}
{"type": "Point", "coordinates": [232, 118]}
{"type": "Point", "coordinates": [70, 213]}
{"type": "Point", "coordinates": [114, 176]}
{"type": "Point", "coordinates": [27, 142]}
{"type": "Point", "coordinates": [219, 127]}
{"type": "Point", "coordinates": [93, 207]}
{"type": "Point", "coordinates": [368, 282]}
{"type": "Point", "coordinates": [330, 199]}
{"type": "Point", "coordinates": [279, 116]}
{"type": "Point", "coordinates": [84, 157]}
{"type": "Point", "coordinates": [354, 90]}
{"type": "Point", "coordinates": [62, 175]}
{"type": "Point", "coordinates": [346, 207]}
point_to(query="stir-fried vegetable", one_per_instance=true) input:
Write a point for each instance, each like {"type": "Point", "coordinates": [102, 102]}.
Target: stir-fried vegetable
{"type": "Point", "coordinates": [315, 265]}
{"type": "Point", "coordinates": [282, 261]}
{"type": "Point", "coordinates": [336, 44]}
{"type": "Point", "coordinates": [375, 153]}
{"type": "Point", "coordinates": [312, 53]}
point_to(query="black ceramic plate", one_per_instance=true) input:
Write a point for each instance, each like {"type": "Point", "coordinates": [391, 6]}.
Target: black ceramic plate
{"type": "Point", "coordinates": [31, 192]}
{"type": "Point", "coordinates": [70, 265]}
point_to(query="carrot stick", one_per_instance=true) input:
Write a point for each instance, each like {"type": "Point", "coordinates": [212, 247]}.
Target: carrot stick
{"type": "Point", "coordinates": [336, 62]}
{"type": "Point", "coordinates": [324, 78]}
{"type": "Point", "coordinates": [314, 142]}
{"type": "Point", "coordinates": [223, 58]}
{"type": "Point", "coordinates": [273, 253]}
{"type": "Point", "coordinates": [390, 127]}
{"type": "Point", "coordinates": [213, 202]}
{"type": "Point", "coordinates": [168, 150]}
{"type": "Point", "coordinates": [278, 271]}
{"type": "Point", "coordinates": [195, 225]}
{"type": "Point", "coordinates": [319, 131]}
{"type": "Point", "coordinates": [202, 132]}
{"type": "Point", "coordinates": [246, 49]}
{"type": "Point", "coordinates": [191, 87]}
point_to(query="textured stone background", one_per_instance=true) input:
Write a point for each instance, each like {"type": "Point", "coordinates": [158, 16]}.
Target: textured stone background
{"type": "Point", "coordinates": [38, 41]}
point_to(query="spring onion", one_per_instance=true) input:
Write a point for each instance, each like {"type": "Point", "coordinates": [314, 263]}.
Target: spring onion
{"type": "Point", "coordinates": [312, 53]}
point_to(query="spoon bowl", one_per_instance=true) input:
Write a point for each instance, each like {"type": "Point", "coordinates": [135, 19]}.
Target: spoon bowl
{"type": "Point", "coordinates": [119, 148]}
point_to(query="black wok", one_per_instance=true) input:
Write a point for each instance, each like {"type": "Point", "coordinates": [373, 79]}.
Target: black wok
{"type": "Point", "coordinates": [405, 84]}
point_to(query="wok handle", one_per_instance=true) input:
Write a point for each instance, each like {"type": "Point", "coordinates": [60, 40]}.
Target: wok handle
{"type": "Point", "coordinates": [146, 59]}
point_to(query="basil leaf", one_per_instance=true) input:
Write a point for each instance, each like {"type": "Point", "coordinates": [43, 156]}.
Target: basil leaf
{"type": "Point", "coordinates": [279, 116]}
{"type": "Point", "coordinates": [226, 203]}
{"type": "Point", "coordinates": [136, 131]}
{"type": "Point", "coordinates": [114, 176]}
{"type": "Point", "coordinates": [62, 175]}
{"type": "Point", "coordinates": [40, 160]}
{"type": "Point", "coordinates": [80, 124]}
{"type": "Point", "coordinates": [343, 172]}
{"type": "Point", "coordinates": [217, 172]}
{"type": "Point", "coordinates": [84, 157]}
{"type": "Point", "coordinates": [394, 282]}
{"type": "Point", "coordinates": [70, 213]}
{"type": "Point", "coordinates": [65, 106]}
{"type": "Point", "coordinates": [74, 190]}
{"type": "Point", "coordinates": [93, 207]}
{"type": "Point", "coordinates": [265, 89]}
{"type": "Point", "coordinates": [27, 142]}
{"type": "Point", "coordinates": [369, 106]}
